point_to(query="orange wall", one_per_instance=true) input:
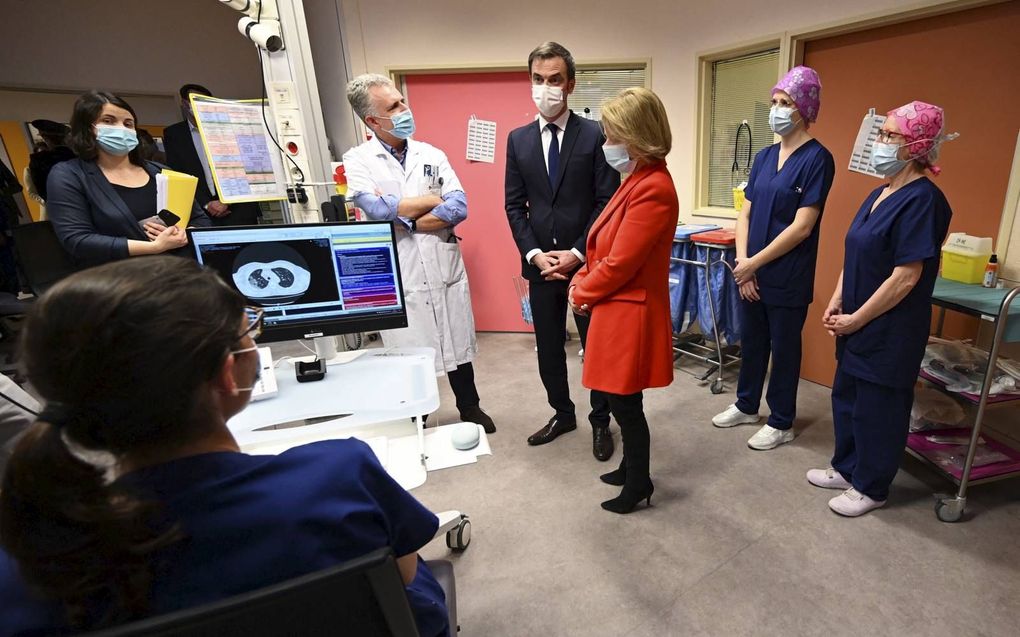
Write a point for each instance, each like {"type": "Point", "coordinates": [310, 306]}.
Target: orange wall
{"type": "Point", "coordinates": [964, 62]}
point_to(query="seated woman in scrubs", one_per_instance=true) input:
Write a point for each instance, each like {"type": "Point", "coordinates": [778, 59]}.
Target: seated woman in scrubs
{"type": "Point", "coordinates": [129, 496]}
{"type": "Point", "coordinates": [880, 312]}
{"type": "Point", "coordinates": [777, 244]}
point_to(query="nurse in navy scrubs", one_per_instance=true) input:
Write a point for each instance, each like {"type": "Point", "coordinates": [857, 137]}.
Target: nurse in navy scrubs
{"type": "Point", "coordinates": [777, 243]}
{"type": "Point", "coordinates": [880, 312]}
{"type": "Point", "coordinates": [142, 362]}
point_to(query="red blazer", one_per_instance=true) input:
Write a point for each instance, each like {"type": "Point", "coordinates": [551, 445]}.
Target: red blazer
{"type": "Point", "coordinates": [625, 282]}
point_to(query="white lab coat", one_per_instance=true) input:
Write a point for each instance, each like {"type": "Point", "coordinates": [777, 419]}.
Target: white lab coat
{"type": "Point", "coordinates": [436, 291]}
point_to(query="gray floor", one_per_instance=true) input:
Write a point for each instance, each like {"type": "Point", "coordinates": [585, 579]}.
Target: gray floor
{"type": "Point", "coordinates": [736, 541]}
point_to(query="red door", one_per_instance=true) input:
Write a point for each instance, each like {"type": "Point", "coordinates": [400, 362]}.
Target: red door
{"type": "Point", "coordinates": [442, 106]}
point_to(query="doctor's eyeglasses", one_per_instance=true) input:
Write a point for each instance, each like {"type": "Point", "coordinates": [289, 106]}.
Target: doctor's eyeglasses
{"type": "Point", "coordinates": [889, 137]}
{"type": "Point", "coordinates": [254, 315]}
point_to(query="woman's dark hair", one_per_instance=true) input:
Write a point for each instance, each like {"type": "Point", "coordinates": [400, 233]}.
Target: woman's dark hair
{"type": "Point", "coordinates": [119, 353]}
{"type": "Point", "coordinates": [86, 112]}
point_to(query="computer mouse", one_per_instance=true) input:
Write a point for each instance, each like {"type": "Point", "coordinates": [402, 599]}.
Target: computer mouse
{"type": "Point", "coordinates": [464, 435]}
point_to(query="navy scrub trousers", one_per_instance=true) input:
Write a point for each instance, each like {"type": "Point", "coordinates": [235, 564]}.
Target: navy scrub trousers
{"type": "Point", "coordinates": [871, 424]}
{"type": "Point", "coordinates": [770, 330]}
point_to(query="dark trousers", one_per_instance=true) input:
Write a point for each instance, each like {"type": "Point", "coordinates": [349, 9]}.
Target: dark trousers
{"type": "Point", "coordinates": [871, 425]}
{"type": "Point", "coordinates": [549, 310]}
{"type": "Point", "coordinates": [462, 382]}
{"type": "Point", "coordinates": [241, 214]}
{"type": "Point", "coordinates": [770, 330]}
{"type": "Point", "coordinates": [629, 412]}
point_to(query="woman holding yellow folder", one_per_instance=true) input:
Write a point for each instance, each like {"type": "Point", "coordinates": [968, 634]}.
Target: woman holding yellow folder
{"type": "Point", "coordinates": [103, 204]}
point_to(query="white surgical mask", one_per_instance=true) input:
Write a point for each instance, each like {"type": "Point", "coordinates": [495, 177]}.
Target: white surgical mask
{"type": "Point", "coordinates": [548, 99]}
{"type": "Point", "coordinates": [781, 119]}
{"type": "Point", "coordinates": [885, 159]}
{"type": "Point", "coordinates": [618, 157]}
{"type": "Point", "coordinates": [258, 369]}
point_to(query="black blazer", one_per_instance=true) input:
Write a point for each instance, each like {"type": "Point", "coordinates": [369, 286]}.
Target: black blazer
{"type": "Point", "coordinates": [182, 156]}
{"type": "Point", "coordinates": [91, 220]}
{"type": "Point", "coordinates": [537, 212]}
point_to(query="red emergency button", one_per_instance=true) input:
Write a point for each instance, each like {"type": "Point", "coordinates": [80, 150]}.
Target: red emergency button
{"type": "Point", "coordinates": [292, 148]}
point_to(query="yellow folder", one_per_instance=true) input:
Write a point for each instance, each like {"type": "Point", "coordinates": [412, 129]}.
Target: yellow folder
{"type": "Point", "coordinates": [179, 193]}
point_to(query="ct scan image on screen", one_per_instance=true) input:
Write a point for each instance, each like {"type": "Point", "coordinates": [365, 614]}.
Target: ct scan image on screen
{"type": "Point", "coordinates": [271, 273]}
{"type": "Point", "coordinates": [305, 275]}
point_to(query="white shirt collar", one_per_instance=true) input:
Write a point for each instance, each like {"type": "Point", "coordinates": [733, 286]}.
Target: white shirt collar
{"type": "Point", "coordinates": [561, 121]}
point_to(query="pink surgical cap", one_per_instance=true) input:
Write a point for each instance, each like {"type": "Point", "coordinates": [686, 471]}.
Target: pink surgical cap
{"type": "Point", "coordinates": [801, 83]}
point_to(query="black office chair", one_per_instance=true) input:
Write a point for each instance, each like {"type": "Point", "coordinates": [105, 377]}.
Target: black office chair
{"type": "Point", "coordinates": [42, 259]}
{"type": "Point", "coordinates": [362, 597]}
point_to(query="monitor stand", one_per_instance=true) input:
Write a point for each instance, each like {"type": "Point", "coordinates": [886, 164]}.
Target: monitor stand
{"type": "Point", "coordinates": [326, 350]}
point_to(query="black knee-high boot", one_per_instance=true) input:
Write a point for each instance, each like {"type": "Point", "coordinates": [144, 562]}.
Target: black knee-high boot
{"type": "Point", "coordinates": [637, 485]}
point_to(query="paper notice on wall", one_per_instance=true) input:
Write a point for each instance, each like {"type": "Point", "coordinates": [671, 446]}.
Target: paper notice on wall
{"type": "Point", "coordinates": [860, 158]}
{"type": "Point", "coordinates": [481, 140]}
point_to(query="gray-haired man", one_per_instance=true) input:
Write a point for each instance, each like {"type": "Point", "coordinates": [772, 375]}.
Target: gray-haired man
{"type": "Point", "coordinates": [395, 178]}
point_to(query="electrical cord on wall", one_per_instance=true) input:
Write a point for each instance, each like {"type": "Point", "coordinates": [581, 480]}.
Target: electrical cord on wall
{"type": "Point", "coordinates": [265, 120]}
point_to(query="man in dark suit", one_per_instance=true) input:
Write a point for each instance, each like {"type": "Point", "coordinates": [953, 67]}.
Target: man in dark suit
{"type": "Point", "coordinates": [184, 153]}
{"type": "Point", "coordinates": [557, 183]}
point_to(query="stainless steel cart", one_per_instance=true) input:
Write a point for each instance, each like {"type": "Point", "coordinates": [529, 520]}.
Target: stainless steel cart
{"type": "Point", "coordinates": [991, 305]}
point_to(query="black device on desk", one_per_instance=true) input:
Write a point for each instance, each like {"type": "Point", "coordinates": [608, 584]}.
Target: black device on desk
{"type": "Point", "coordinates": [311, 280]}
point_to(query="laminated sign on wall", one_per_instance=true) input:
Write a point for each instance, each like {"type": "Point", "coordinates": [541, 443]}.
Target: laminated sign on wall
{"type": "Point", "coordinates": [481, 140]}
{"type": "Point", "coordinates": [860, 158]}
{"type": "Point", "coordinates": [245, 165]}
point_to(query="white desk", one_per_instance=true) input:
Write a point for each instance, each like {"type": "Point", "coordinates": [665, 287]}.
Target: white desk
{"type": "Point", "coordinates": [379, 398]}
{"type": "Point", "coordinates": [373, 398]}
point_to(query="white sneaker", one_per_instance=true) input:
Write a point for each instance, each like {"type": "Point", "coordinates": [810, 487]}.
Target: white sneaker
{"type": "Point", "coordinates": [733, 417]}
{"type": "Point", "coordinates": [827, 479]}
{"type": "Point", "coordinates": [852, 503]}
{"type": "Point", "coordinates": [768, 437]}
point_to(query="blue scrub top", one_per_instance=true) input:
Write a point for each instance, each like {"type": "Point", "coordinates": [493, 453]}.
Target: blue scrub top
{"type": "Point", "coordinates": [776, 195]}
{"type": "Point", "coordinates": [909, 226]}
{"type": "Point", "coordinates": [253, 521]}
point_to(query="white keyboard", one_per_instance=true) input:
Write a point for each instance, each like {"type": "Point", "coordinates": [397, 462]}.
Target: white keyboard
{"type": "Point", "coordinates": [266, 387]}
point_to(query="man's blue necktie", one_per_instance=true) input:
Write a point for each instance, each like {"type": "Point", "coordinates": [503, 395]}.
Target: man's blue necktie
{"type": "Point", "coordinates": [554, 155]}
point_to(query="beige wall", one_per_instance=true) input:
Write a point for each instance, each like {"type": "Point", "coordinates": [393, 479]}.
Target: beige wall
{"type": "Point", "coordinates": [144, 48]}
{"type": "Point", "coordinates": [398, 33]}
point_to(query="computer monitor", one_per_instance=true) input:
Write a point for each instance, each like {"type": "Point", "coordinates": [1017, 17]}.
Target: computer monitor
{"type": "Point", "coordinates": [312, 280]}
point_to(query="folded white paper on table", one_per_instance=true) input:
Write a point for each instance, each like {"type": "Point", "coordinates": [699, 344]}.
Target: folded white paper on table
{"type": "Point", "coordinates": [441, 454]}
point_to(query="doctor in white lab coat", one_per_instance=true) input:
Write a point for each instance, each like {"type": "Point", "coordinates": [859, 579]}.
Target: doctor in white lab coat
{"type": "Point", "coordinates": [395, 178]}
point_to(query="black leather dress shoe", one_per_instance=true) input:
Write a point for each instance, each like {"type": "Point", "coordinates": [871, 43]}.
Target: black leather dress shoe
{"type": "Point", "coordinates": [551, 431]}
{"type": "Point", "coordinates": [477, 416]}
{"type": "Point", "coordinates": [602, 443]}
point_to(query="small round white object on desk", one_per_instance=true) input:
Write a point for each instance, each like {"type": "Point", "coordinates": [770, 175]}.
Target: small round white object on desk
{"type": "Point", "coordinates": [464, 436]}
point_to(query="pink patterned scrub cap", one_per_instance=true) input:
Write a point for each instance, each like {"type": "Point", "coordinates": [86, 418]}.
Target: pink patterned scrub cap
{"type": "Point", "coordinates": [921, 126]}
{"type": "Point", "coordinates": [801, 83]}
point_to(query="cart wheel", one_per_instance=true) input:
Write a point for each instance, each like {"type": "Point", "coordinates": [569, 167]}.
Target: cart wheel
{"type": "Point", "coordinates": [459, 538]}
{"type": "Point", "coordinates": [949, 509]}
{"type": "Point", "coordinates": [717, 387]}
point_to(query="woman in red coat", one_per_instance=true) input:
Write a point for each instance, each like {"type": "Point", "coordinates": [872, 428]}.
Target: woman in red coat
{"type": "Point", "coordinates": [624, 283]}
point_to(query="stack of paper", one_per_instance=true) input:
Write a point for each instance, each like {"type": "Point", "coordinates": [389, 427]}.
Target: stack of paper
{"type": "Point", "coordinates": [176, 192]}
